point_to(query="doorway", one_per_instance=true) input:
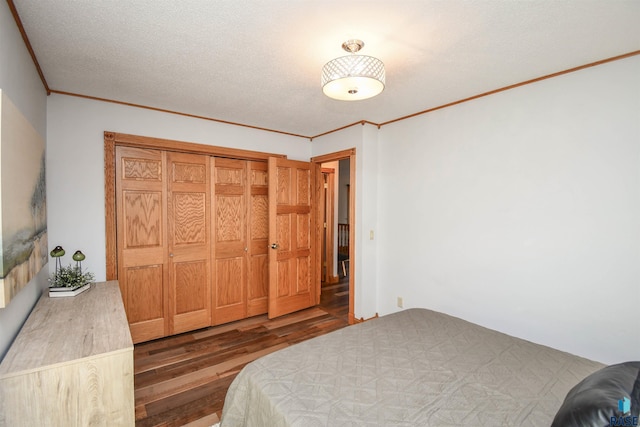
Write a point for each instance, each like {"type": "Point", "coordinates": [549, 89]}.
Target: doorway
{"type": "Point", "coordinates": [337, 208]}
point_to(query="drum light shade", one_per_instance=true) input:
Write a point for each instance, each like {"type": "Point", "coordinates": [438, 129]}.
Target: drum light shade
{"type": "Point", "coordinates": [353, 77]}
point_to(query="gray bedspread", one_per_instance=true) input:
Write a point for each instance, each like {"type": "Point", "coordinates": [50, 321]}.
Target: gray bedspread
{"type": "Point", "coordinates": [412, 368]}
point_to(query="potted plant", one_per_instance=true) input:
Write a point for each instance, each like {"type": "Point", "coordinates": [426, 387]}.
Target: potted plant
{"type": "Point", "coordinates": [69, 280]}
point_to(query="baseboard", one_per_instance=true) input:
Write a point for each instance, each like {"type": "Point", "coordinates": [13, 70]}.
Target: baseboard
{"type": "Point", "coordinates": [362, 319]}
{"type": "Point", "coordinates": [332, 280]}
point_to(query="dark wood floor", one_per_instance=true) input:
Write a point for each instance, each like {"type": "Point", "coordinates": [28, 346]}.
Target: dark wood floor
{"type": "Point", "coordinates": [183, 380]}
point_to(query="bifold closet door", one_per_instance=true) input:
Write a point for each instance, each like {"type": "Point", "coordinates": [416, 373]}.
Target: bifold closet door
{"type": "Point", "coordinates": [241, 228]}
{"type": "Point", "coordinates": [141, 210]}
{"type": "Point", "coordinates": [164, 241]}
{"type": "Point", "coordinates": [258, 228]}
{"type": "Point", "coordinates": [192, 240]}
{"type": "Point", "coordinates": [189, 242]}
{"type": "Point", "coordinates": [230, 245]}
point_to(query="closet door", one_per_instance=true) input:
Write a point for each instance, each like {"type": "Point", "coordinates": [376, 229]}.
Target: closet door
{"type": "Point", "coordinates": [141, 240]}
{"type": "Point", "coordinates": [258, 229]}
{"type": "Point", "coordinates": [189, 243]}
{"type": "Point", "coordinates": [230, 245]}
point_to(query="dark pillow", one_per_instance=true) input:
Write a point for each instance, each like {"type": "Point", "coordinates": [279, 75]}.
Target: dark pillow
{"type": "Point", "coordinates": [596, 399]}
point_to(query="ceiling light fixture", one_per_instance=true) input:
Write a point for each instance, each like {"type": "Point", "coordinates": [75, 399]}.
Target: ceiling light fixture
{"type": "Point", "coordinates": [353, 77]}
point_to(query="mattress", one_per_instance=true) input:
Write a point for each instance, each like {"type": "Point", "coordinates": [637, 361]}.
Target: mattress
{"type": "Point", "coordinates": [416, 367]}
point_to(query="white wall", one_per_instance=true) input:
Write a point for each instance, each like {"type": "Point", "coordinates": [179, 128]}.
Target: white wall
{"type": "Point", "coordinates": [364, 140]}
{"type": "Point", "coordinates": [520, 211]}
{"type": "Point", "coordinates": [20, 82]}
{"type": "Point", "coordinates": [75, 157]}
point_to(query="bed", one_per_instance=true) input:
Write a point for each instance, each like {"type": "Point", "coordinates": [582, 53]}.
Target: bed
{"type": "Point", "coordinates": [416, 367]}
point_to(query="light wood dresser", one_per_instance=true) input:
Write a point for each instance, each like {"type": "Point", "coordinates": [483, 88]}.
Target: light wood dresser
{"type": "Point", "coordinates": [71, 364]}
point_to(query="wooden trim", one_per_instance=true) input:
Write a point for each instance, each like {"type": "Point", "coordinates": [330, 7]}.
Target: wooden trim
{"type": "Point", "coordinates": [27, 43]}
{"type": "Point", "coordinates": [361, 122]}
{"type": "Point", "coordinates": [111, 246]}
{"type": "Point", "coordinates": [513, 86]}
{"type": "Point", "coordinates": [471, 98]}
{"type": "Point", "coordinates": [332, 157]}
{"type": "Point", "coordinates": [315, 219]}
{"type": "Point", "coordinates": [362, 319]}
{"type": "Point", "coordinates": [318, 202]}
{"type": "Point", "coordinates": [352, 235]}
{"type": "Point", "coordinates": [189, 147]}
{"type": "Point", "coordinates": [163, 110]}
{"type": "Point", "coordinates": [113, 139]}
{"type": "Point", "coordinates": [329, 215]}
{"type": "Point", "coordinates": [311, 138]}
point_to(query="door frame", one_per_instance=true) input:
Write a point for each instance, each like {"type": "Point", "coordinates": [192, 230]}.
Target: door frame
{"type": "Point", "coordinates": [316, 163]}
{"type": "Point", "coordinates": [328, 199]}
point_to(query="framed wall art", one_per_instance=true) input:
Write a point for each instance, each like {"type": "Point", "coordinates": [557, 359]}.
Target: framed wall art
{"type": "Point", "coordinates": [23, 205]}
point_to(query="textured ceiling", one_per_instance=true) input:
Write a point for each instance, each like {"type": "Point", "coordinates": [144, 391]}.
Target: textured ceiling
{"type": "Point", "coordinates": [258, 62]}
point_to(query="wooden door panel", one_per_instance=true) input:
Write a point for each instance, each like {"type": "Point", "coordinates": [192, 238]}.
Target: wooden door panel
{"type": "Point", "coordinates": [259, 174]}
{"type": "Point", "coordinates": [189, 173]}
{"type": "Point", "coordinates": [189, 242]}
{"type": "Point", "coordinates": [303, 181]}
{"type": "Point", "coordinates": [140, 201]}
{"type": "Point", "coordinates": [230, 240]}
{"type": "Point", "coordinates": [140, 165]}
{"type": "Point", "coordinates": [189, 218]}
{"type": "Point", "coordinates": [284, 233]}
{"type": "Point", "coordinates": [259, 284]}
{"type": "Point", "coordinates": [283, 183]}
{"type": "Point", "coordinates": [303, 232]}
{"type": "Point", "coordinates": [291, 265]}
{"type": "Point", "coordinates": [231, 272]}
{"type": "Point", "coordinates": [230, 294]}
{"type": "Point", "coordinates": [303, 274]}
{"type": "Point", "coordinates": [294, 276]}
{"type": "Point", "coordinates": [259, 216]}
{"type": "Point", "coordinates": [283, 279]}
{"type": "Point", "coordinates": [230, 214]}
{"type": "Point", "coordinates": [140, 257]}
{"type": "Point", "coordinates": [230, 172]}
{"type": "Point", "coordinates": [145, 301]}
{"type": "Point", "coordinates": [258, 229]}
{"type": "Point", "coordinates": [143, 216]}
{"type": "Point", "coordinates": [191, 303]}
{"type": "Point", "coordinates": [190, 278]}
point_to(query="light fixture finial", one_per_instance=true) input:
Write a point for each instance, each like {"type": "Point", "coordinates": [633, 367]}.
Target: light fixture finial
{"type": "Point", "coordinates": [353, 45]}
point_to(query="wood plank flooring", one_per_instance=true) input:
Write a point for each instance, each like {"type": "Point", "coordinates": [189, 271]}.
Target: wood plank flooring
{"type": "Point", "coordinates": [183, 379]}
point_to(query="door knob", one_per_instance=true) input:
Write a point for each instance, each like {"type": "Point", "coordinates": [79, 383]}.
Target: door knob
{"type": "Point", "coordinates": [274, 246]}
{"type": "Point", "coordinates": [171, 255]}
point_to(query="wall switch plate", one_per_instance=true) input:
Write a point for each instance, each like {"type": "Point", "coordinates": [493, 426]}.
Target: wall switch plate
{"type": "Point", "coordinates": [400, 303]}
{"type": "Point", "coordinates": [370, 234]}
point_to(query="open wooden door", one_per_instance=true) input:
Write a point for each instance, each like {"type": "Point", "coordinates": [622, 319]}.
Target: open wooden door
{"type": "Point", "coordinates": [292, 237]}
